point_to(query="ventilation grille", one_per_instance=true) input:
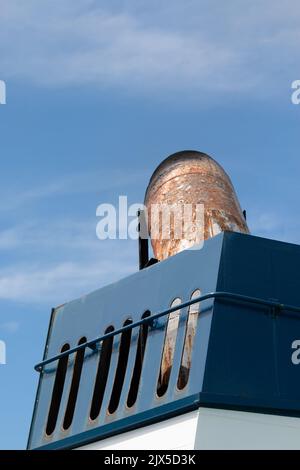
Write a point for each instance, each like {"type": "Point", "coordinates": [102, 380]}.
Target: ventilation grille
{"type": "Point", "coordinates": [105, 351]}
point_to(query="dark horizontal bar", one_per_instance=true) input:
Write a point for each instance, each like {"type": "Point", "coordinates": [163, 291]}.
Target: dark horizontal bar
{"type": "Point", "coordinates": [216, 295]}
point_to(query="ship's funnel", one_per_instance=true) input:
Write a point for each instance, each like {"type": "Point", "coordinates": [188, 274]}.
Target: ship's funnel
{"type": "Point", "coordinates": [191, 182]}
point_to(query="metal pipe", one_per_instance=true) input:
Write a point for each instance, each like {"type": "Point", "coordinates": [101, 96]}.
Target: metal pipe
{"type": "Point", "coordinates": [194, 180]}
{"type": "Point", "coordinates": [143, 240]}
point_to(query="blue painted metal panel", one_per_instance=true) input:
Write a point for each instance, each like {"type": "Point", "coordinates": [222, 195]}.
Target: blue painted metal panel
{"type": "Point", "coordinates": [250, 351]}
{"type": "Point", "coordinates": [241, 353]}
{"type": "Point", "coordinates": [151, 289]}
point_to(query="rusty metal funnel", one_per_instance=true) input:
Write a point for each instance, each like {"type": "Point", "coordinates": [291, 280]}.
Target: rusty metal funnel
{"type": "Point", "coordinates": [191, 179]}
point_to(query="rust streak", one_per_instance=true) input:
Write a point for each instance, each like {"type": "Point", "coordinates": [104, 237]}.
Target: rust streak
{"type": "Point", "coordinates": [191, 177]}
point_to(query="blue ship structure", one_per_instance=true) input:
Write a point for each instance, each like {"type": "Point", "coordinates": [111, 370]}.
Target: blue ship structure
{"type": "Point", "coordinates": [235, 374]}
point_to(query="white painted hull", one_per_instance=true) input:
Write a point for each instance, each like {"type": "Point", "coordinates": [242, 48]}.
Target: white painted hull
{"type": "Point", "coordinates": [208, 428]}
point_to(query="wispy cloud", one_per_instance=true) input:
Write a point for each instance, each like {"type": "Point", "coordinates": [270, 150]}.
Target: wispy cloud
{"type": "Point", "coordinates": [54, 259]}
{"type": "Point", "coordinates": [172, 45]}
{"type": "Point", "coordinates": [103, 47]}
{"type": "Point", "coordinates": [62, 235]}
{"type": "Point", "coordinates": [63, 281]}
{"type": "Point", "coordinates": [60, 260]}
{"type": "Point", "coordinates": [10, 326]}
{"type": "Point", "coordinates": [77, 183]}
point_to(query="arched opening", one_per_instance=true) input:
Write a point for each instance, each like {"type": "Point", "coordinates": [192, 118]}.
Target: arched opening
{"type": "Point", "coordinates": [169, 349]}
{"type": "Point", "coordinates": [124, 349]}
{"type": "Point", "coordinates": [74, 385]}
{"type": "Point", "coordinates": [190, 331]}
{"type": "Point", "coordinates": [138, 365]}
{"type": "Point", "coordinates": [102, 374]}
{"type": "Point", "coordinates": [57, 391]}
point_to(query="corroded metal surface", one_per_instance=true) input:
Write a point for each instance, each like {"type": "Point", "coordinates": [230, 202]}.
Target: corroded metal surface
{"type": "Point", "coordinates": [191, 178]}
{"type": "Point", "coordinates": [191, 326]}
{"type": "Point", "coordinates": [169, 349]}
{"type": "Point", "coordinates": [170, 343]}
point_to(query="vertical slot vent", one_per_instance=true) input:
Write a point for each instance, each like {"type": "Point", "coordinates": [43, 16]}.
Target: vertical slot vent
{"type": "Point", "coordinates": [57, 392]}
{"type": "Point", "coordinates": [190, 332]}
{"type": "Point", "coordinates": [169, 349]}
{"type": "Point", "coordinates": [138, 365]}
{"type": "Point", "coordinates": [102, 374]}
{"type": "Point", "coordinates": [74, 385]}
{"type": "Point", "coordinates": [124, 349]}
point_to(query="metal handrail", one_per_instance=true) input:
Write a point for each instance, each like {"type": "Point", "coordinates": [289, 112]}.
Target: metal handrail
{"type": "Point", "coordinates": [277, 306]}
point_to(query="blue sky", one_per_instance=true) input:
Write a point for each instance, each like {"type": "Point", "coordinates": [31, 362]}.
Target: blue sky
{"type": "Point", "coordinates": [98, 93]}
